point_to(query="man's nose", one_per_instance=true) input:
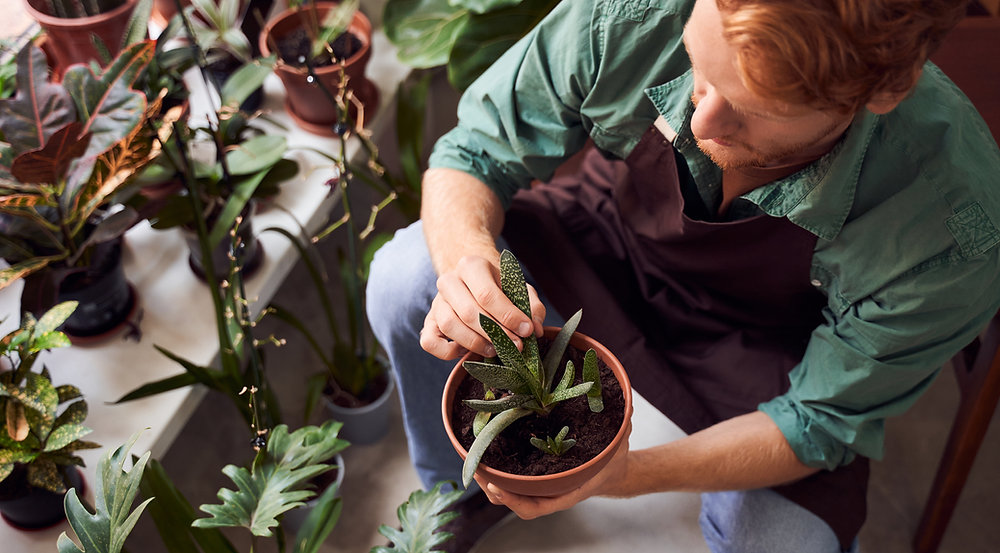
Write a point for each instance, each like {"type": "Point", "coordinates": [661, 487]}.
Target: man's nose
{"type": "Point", "coordinates": [713, 116]}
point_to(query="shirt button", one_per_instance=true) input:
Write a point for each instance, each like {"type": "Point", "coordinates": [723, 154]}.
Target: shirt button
{"type": "Point", "coordinates": [816, 282]}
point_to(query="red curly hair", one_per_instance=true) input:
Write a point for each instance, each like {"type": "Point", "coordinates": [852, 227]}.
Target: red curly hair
{"type": "Point", "coordinates": [835, 54]}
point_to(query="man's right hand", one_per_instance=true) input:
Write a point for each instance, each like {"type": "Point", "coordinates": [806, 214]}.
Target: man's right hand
{"type": "Point", "coordinates": [452, 325]}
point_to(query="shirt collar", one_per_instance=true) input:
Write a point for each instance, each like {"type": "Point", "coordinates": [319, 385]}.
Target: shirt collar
{"type": "Point", "coordinates": [818, 198]}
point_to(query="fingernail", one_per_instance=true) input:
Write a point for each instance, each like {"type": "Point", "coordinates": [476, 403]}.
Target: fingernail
{"type": "Point", "coordinates": [524, 329]}
{"type": "Point", "coordinates": [490, 352]}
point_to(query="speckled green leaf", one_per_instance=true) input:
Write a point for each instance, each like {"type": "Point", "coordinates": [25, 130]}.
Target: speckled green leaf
{"type": "Point", "coordinates": [67, 392]}
{"type": "Point", "coordinates": [497, 376]}
{"type": "Point", "coordinates": [54, 317]}
{"type": "Point", "coordinates": [64, 435]}
{"type": "Point", "coordinates": [558, 347]}
{"type": "Point", "coordinates": [563, 395]}
{"type": "Point", "coordinates": [512, 282]}
{"type": "Point", "coordinates": [506, 350]}
{"type": "Point", "coordinates": [44, 474]}
{"type": "Point", "coordinates": [567, 377]}
{"type": "Point", "coordinates": [498, 405]}
{"type": "Point", "coordinates": [76, 413]}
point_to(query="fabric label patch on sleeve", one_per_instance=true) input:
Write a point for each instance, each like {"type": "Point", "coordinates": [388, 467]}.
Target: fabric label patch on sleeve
{"type": "Point", "coordinates": [973, 230]}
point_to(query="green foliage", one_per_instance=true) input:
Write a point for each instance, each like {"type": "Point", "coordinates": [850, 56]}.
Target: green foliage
{"type": "Point", "coordinates": [323, 33]}
{"type": "Point", "coordinates": [216, 27]}
{"type": "Point", "coordinates": [277, 480]}
{"type": "Point", "coordinates": [420, 517]}
{"type": "Point", "coordinates": [522, 373]}
{"type": "Point", "coordinates": [62, 164]}
{"type": "Point", "coordinates": [554, 446]}
{"type": "Point", "coordinates": [33, 431]}
{"type": "Point", "coordinates": [105, 530]}
{"type": "Point", "coordinates": [465, 35]}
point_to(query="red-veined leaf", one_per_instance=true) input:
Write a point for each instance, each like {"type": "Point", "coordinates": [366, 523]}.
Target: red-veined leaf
{"type": "Point", "coordinates": [49, 163]}
{"type": "Point", "coordinates": [39, 108]}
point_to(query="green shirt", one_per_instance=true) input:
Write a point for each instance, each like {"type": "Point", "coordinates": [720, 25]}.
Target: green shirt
{"type": "Point", "coordinates": [903, 207]}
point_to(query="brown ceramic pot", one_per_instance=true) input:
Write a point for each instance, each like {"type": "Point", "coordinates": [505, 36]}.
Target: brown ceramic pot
{"type": "Point", "coordinates": [69, 39]}
{"type": "Point", "coordinates": [547, 485]}
{"type": "Point", "coordinates": [306, 102]}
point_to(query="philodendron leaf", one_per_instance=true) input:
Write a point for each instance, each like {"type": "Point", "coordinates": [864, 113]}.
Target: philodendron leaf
{"type": "Point", "coordinates": [105, 530]}
{"type": "Point", "coordinates": [277, 479]}
{"type": "Point", "coordinates": [39, 108]}
{"type": "Point", "coordinates": [419, 519]}
{"type": "Point", "coordinates": [424, 31]}
{"type": "Point", "coordinates": [483, 440]}
{"type": "Point", "coordinates": [591, 373]}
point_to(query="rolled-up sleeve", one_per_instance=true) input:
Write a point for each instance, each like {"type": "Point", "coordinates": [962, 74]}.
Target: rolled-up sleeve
{"type": "Point", "coordinates": [521, 118]}
{"type": "Point", "coordinates": [874, 359]}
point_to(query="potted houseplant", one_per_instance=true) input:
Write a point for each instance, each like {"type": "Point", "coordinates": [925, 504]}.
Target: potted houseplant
{"type": "Point", "coordinates": [77, 30]}
{"type": "Point", "coordinates": [274, 486]}
{"type": "Point", "coordinates": [323, 49]}
{"type": "Point", "coordinates": [551, 430]}
{"type": "Point", "coordinates": [38, 438]}
{"type": "Point", "coordinates": [60, 169]}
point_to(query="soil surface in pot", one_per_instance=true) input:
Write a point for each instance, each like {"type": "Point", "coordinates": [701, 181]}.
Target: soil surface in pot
{"type": "Point", "coordinates": [512, 451]}
{"type": "Point", "coordinates": [297, 44]}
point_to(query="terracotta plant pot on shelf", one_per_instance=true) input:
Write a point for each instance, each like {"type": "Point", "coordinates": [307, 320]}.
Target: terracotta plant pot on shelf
{"type": "Point", "coordinates": [306, 102]}
{"type": "Point", "coordinates": [69, 39]}
{"type": "Point", "coordinates": [544, 485]}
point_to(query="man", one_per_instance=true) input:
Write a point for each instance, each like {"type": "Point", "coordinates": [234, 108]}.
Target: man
{"type": "Point", "coordinates": [791, 228]}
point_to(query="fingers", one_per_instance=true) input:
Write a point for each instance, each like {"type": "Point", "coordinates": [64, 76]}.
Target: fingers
{"type": "Point", "coordinates": [527, 507]}
{"type": "Point", "coordinates": [445, 336]}
{"type": "Point", "coordinates": [537, 310]}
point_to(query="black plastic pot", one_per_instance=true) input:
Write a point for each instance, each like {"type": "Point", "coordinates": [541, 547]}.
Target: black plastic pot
{"type": "Point", "coordinates": [105, 295]}
{"type": "Point", "coordinates": [252, 253]}
{"type": "Point", "coordinates": [29, 508]}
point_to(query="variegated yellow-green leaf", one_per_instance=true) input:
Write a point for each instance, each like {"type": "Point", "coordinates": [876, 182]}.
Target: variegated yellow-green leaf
{"type": "Point", "coordinates": [67, 392]}
{"type": "Point", "coordinates": [64, 435]}
{"type": "Point", "coordinates": [44, 474]}
{"type": "Point", "coordinates": [17, 424]}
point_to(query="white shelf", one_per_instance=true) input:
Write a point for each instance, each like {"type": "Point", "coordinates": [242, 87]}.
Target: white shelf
{"type": "Point", "coordinates": [177, 307]}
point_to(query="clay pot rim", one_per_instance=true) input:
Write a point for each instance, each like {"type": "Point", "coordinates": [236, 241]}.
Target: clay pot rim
{"type": "Point", "coordinates": [360, 27]}
{"type": "Point", "coordinates": [578, 339]}
{"type": "Point", "coordinates": [73, 22]}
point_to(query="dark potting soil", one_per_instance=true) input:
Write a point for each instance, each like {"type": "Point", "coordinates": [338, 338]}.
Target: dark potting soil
{"type": "Point", "coordinates": [297, 44]}
{"type": "Point", "coordinates": [371, 393]}
{"type": "Point", "coordinates": [512, 451]}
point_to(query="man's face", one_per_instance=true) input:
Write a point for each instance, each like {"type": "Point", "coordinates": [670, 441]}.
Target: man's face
{"type": "Point", "coordinates": [737, 128]}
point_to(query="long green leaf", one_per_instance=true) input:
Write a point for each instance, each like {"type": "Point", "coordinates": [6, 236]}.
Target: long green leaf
{"type": "Point", "coordinates": [424, 31]}
{"type": "Point", "coordinates": [558, 347]}
{"type": "Point", "coordinates": [319, 522]}
{"type": "Point", "coordinates": [489, 433]}
{"type": "Point", "coordinates": [591, 373]}
{"type": "Point", "coordinates": [105, 530]}
{"type": "Point", "coordinates": [498, 405]}
{"type": "Point", "coordinates": [419, 519]}
{"type": "Point", "coordinates": [173, 515]}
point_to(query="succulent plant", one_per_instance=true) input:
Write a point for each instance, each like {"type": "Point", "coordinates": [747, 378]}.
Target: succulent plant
{"type": "Point", "coordinates": [35, 434]}
{"type": "Point", "coordinates": [554, 446]}
{"type": "Point", "coordinates": [527, 379]}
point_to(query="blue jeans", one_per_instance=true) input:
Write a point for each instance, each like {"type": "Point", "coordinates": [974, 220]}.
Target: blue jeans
{"type": "Point", "coordinates": [401, 286]}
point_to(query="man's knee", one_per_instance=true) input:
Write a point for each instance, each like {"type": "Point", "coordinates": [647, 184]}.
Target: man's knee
{"type": "Point", "coordinates": [401, 281]}
{"type": "Point", "coordinates": [762, 521]}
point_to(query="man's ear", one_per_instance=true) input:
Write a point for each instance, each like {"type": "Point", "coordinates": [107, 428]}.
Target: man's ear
{"type": "Point", "coordinates": [884, 102]}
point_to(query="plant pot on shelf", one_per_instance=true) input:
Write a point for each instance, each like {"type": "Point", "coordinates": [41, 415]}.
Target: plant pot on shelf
{"type": "Point", "coordinates": [253, 253]}
{"type": "Point", "coordinates": [107, 300]}
{"type": "Point", "coordinates": [294, 518]}
{"type": "Point", "coordinates": [69, 38]}
{"type": "Point", "coordinates": [364, 424]}
{"type": "Point", "coordinates": [533, 480]}
{"type": "Point", "coordinates": [28, 508]}
{"type": "Point", "coordinates": [306, 102]}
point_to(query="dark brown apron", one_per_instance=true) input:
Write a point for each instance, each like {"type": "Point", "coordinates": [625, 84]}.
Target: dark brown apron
{"type": "Point", "coordinates": [707, 317]}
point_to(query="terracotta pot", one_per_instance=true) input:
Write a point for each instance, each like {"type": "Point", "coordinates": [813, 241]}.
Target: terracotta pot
{"type": "Point", "coordinates": [549, 484]}
{"type": "Point", "coordinates": [306, 102]}
{"type": "Point", "coordinates": [69, 38]}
